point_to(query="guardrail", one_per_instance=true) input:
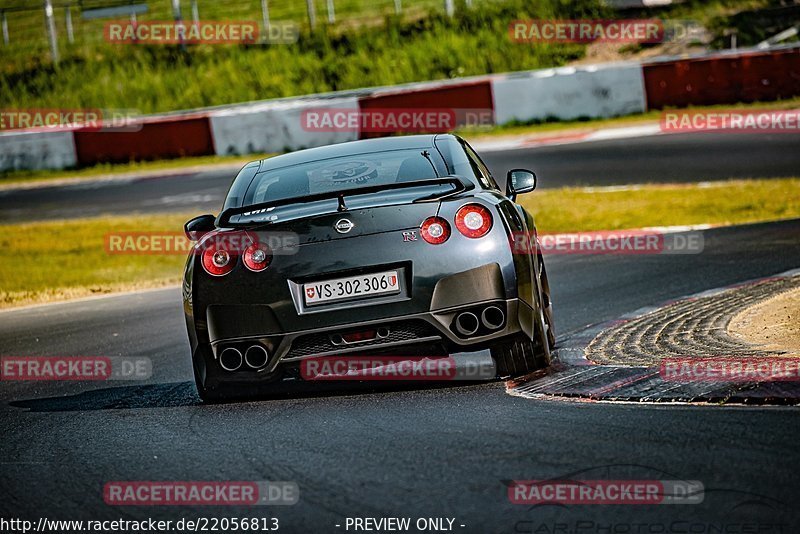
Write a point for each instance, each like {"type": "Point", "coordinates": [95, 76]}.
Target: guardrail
{"type": "Point", "coordinates": [591, 91]}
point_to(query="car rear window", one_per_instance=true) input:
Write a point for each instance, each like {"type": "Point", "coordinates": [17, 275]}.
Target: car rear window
{"type": "Point", "coordinates": [340, 174]}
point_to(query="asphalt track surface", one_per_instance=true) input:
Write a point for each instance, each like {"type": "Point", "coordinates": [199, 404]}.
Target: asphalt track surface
{"type": "Point", "coordinates": [668, 158]}
{"type": "Point", "coordinates": [428, 451]}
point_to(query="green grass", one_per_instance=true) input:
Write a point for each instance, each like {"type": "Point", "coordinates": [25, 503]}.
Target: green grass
{"type": "Point", "coordinates": [41, 262]}
{"type": "Point", "coordinates": [730, 202]}
{"type": "Point", "coordinates": [57, 260]}
{"type": "Point", "coordinates": [752, 20]}
{"type": "Point", "coordinates": [368, 46]}
{"type": "Point", "coordinates": [163, 78]}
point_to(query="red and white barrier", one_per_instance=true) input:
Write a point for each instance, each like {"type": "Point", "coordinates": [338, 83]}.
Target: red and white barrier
{"type": "Point", "coordinates": [592, 91]}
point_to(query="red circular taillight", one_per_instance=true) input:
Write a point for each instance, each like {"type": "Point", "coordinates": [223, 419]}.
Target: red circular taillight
{"type": "Point", "coordinates": [257, 257]}
{"type": "Point", "coordinates": [473, 220]}
{"type": "Point", "coordinates": [435, 230]}
{"type": "Point", "coordinates": [217, 258]}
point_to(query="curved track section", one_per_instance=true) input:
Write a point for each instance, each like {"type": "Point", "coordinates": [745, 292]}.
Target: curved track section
{"type": "Point", "coordinates": [624, 359]}
{"type": "Point", "coordinates": [427, 451]}
{"type": "Point", "coordinates": [692, 327]}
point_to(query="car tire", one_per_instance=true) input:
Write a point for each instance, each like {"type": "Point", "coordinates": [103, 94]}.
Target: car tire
{"type": "Point", "coordinates": [547, 304]}
{"type": "Point", "coordinates": [521, 355]}
{"type": "Point", "coordinates": [207, 395]}
{"type": "Point", "coordinates": [218, 394]}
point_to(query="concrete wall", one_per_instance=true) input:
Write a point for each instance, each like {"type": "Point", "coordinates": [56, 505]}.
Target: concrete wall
{"type": "Point", "coordinates": [275, 127]}
{"type": "Point", "coordinates": [37, 150]}
{"type": "Point", "coordinates": [569, 93]}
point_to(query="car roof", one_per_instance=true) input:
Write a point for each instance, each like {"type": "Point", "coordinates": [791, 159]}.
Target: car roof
{"type": "Point", "coordinates": [364, 146]}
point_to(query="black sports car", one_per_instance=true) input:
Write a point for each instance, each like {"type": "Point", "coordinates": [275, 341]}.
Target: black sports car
{"type": "Point", "coordinates": [401, 245]}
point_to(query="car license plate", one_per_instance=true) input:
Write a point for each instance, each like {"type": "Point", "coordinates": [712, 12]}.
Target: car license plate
{"type": "Point", "coordinates": [365, 285]}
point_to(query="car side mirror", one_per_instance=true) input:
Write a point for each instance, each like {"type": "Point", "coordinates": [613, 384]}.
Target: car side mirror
{"type": "Point", "coordinates": [196, 228]}
{"type": "Point", "coordinates": [519, 181]}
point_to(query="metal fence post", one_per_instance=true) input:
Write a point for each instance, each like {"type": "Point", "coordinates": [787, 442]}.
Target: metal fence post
{"type": "Point", "coordinates": [312, 13]}
{"type": "Point", "coordinates": [331, 12]}
{"type": "Point", "coordinates": [176, 9]}
{"type": "Point", "coordinates": [5, 27]}
{"type": "Point", "coordinates": [176, 12]}
{"type": "Point", "coordinates": [265, 16]}
{"type": "Point", "coordinates": [68, 18]}
{"type": "Point", "coordinates": [449, 8]}
{"type": "Point", "coordinates": [51, 29]}
{"type": "Point", "coordinates": [134, 24]}
{"type": "Point", "coordinates": [195, 12]}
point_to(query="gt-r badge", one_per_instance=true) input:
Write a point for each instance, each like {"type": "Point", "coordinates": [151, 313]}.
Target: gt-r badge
{"type": "Point", "coordinates": [410, 235]}
{"type": "Point", "coordinates": [343, 226]}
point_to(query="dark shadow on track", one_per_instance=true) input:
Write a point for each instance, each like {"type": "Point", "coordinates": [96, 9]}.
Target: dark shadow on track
{"type": "Point", "coordinates": [180, 394]}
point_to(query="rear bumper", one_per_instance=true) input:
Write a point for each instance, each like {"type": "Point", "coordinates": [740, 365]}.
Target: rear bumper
{"type": "Point", "coordinates": [437, 283]}
{"type": "Point", "coordinates": [428, 327]}
{"type": "Point", "coordinates": [425, 334]}
{"type": "Point", "coordinates": [432, 332]}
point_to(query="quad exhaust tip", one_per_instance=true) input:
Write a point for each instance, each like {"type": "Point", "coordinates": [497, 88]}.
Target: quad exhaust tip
{"type": "Point", "coordinates": [467, 323]}
{"type": "Point", "coordinates": [493, 317]}
{"type": "Point", "coordinates": [256, 357]}
{"type": "Point", "coordinates": [230, 359]}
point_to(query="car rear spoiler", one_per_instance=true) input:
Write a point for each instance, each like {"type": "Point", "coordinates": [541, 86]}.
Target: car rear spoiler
{"type": "Point", "coordinates": [461, 185]}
